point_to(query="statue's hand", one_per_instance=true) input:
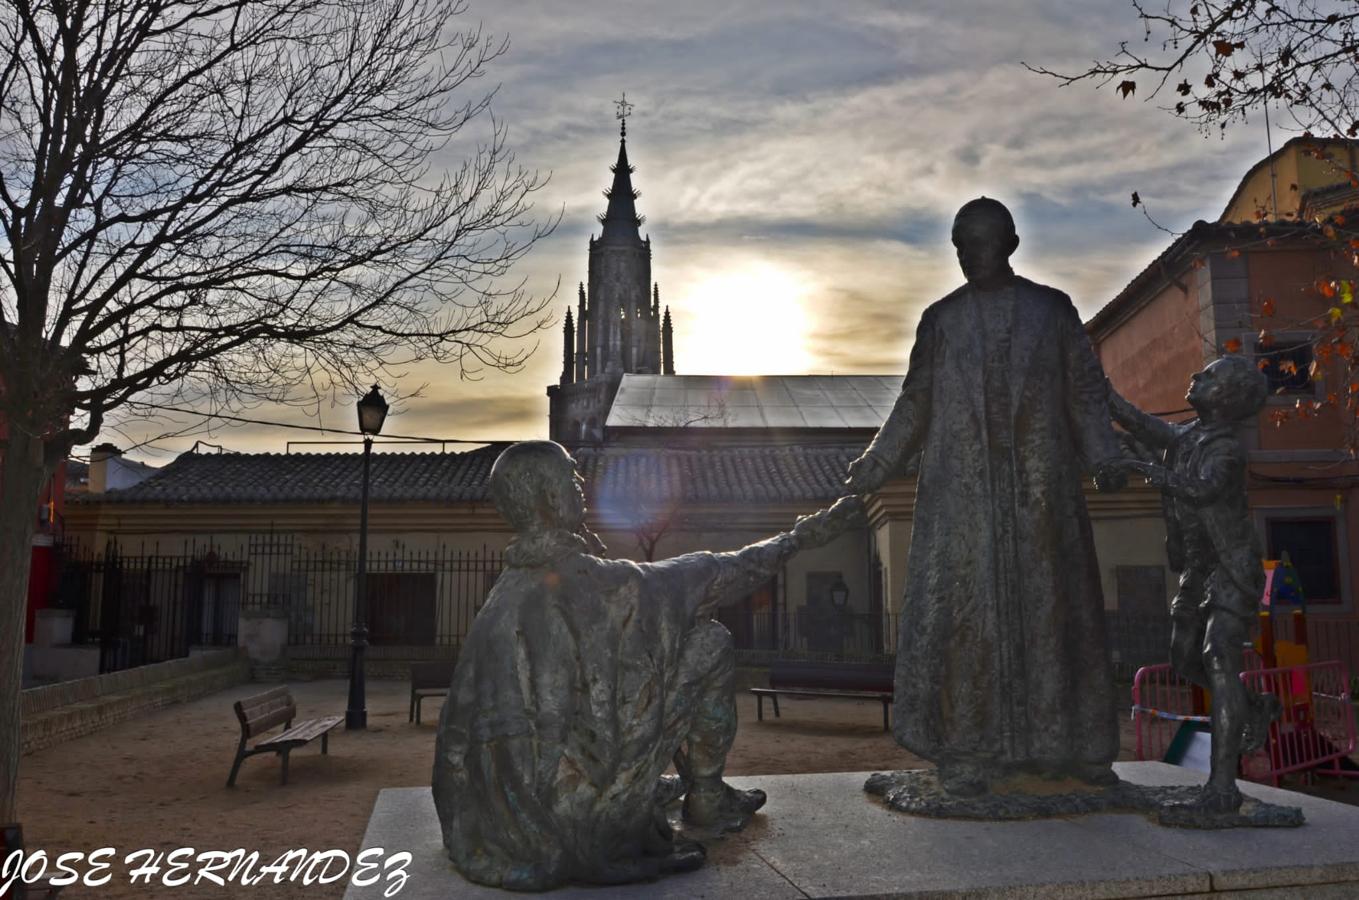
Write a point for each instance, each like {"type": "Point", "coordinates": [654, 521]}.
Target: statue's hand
{"type": "Point", "coordinates": [823, 527]}
{"type": "Point", "coordinates": [1156, 476]}
{"type": "Point", "coordinates": [1112, 475]}
{"type": "Point", "coordinates": [867, 473]}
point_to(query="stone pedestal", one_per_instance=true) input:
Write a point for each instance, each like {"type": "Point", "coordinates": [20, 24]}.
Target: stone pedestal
{"type": "Point", "coordinates": [53, 627]}
{"type": "Point", "coordinates": [263, 634]}
{"type": "Point", "coordinates": [822, 836]}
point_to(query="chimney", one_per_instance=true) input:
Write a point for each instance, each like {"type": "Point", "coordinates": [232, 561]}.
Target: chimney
{"type": "Point", "coordinates": [99, 466]}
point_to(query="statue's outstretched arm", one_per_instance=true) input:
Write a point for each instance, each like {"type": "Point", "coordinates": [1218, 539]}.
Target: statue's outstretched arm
{"type": "Point", "coordinates": [902, 435]}
{"type": "Point", "coordinates": [1148, 429]}
{"type": "Point", "coordinates": [741, 571]}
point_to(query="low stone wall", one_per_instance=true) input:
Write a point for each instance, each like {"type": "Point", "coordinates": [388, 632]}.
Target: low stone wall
{"type": "Point", "coordinates": [305, 663]}
{"type": "Point", "coordinates": [59, 712]}
{"type": "Point", "coordinates": [309, 663]}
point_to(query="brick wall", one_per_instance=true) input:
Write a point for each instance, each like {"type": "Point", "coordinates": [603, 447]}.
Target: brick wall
{"type": "Point", "coordinates": [59, 712]}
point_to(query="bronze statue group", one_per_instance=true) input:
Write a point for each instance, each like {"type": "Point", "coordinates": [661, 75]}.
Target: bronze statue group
{"type": "Point", "coordinates": [584, 679]}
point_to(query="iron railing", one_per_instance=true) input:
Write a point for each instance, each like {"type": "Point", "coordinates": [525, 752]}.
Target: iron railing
{"type": "Point", "coordinates": [144, 604]}
{"type": "Point", "coordinates": [830, 635]}
{"type": "Point", "coordinates": [146, 607]}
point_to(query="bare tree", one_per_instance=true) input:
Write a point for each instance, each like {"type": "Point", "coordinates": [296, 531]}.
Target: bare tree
{"type": "Point", "coordinates": [1227, 59]}
{"type": "Point", "coordinates": [235, 201]}
{"type": "Point", "coordinates": [1294, 55]}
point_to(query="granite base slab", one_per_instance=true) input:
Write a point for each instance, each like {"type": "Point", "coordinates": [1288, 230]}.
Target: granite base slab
{"type": "Point", "coordinates": [822, 836]}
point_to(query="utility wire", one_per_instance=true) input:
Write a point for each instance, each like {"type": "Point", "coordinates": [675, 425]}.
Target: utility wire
{"type": "Point", "coordinates": [242, 419]}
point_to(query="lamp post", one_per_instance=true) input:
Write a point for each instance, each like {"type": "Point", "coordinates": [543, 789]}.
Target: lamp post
{"type": "Point", "coordinates": [372, 412]}
{"type": "Point", "coordinates": [840, 622]}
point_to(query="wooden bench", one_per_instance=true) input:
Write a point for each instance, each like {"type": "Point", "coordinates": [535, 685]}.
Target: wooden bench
{"type": "Point", "coordinates": [262, 712]}
{"type": "Point", "coordinates": [854, 681]}
{"type": "Point", "coordinates": [429, 679]}
{"type": "Point", "coordinates": [11, 839]}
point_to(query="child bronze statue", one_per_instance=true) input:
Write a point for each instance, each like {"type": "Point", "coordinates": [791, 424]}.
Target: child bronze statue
{"type": "Point", "coordinates": [1213, 545]}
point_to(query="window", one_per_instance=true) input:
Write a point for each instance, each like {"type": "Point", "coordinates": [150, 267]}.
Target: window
{"type": "Point", "coordinates": [1286, 363]}
{"type": "Point", "coordinates": [1311, 547]}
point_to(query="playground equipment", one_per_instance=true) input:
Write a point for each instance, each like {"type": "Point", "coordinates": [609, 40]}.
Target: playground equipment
{"type": "Point", "coordinates": [1315, 734]}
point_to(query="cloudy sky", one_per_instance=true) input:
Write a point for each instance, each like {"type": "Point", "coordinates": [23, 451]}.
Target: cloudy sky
{"type": "Point", "coordinates": [800, 163]}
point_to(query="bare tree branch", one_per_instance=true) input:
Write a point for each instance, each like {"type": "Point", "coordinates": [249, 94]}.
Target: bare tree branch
{"type": "Point", "coordinates": [237, 201]}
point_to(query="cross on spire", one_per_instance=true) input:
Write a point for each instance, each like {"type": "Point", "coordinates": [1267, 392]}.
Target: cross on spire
{"type": "Point", "coordinates": [624, 109]}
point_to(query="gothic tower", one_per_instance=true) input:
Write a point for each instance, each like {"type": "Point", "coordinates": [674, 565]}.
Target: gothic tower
{"type": "Point", "coordinates": [617, 327]}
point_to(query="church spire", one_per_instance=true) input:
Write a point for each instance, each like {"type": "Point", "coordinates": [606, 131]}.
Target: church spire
{"type": "Point", "coordinates": [667, 345]}
{"type": "Point", "coordinates": [568, 350]}
{"type": "Point", "coordinates": [620, 220]}
{"type": "Point", "coordinates": [582, 334]}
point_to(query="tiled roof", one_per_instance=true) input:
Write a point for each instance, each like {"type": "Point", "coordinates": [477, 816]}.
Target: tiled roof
{"type": "Point", "coordinates": [767, 474]}
{"type": "Point", "coordinates": [313, 478]}
{"type": "Point", "coordinates": [754, 401]}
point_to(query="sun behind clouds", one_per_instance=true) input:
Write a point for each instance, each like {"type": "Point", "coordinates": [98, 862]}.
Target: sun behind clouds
{"type": "Point", "coordinates": [749, 320]}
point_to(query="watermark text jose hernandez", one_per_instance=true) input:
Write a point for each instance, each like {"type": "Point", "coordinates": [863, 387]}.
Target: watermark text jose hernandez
{"type": "Point", "coordinates": [185, 865]}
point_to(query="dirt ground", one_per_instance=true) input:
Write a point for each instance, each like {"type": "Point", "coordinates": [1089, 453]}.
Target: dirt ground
{"type": "Point", "coordinates": [158, 781]}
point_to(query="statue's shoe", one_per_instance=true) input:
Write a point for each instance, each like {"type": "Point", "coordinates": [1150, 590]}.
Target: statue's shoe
{"type": "Point", "coordinates": [722, 807]}
{"type": "Point", "coordinates": [1265, 709]}
{"type": "Point", "coordinates": [1207, 807]}
{"type": "Point", "coordinates": [1209, 800]}
{"type": "Point", "coordinates": [686, 857]}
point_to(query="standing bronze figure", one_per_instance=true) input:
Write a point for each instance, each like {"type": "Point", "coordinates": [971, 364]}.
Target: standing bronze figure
{"type": "Point", "coordinates": [1213, 545]}
{"type": "Point", "coordinates": [1002, 667]}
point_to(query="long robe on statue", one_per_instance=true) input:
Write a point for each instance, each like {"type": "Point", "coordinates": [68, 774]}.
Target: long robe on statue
{"type": "Point", "coordinates": [1001, 655]}
{"type": "Point", "coordinates": [579, 680]}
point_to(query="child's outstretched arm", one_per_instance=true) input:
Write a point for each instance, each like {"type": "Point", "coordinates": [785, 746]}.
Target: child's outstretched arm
{"type": "Point", "coordinates": [1200, 489]}
{"type": "Point", "coordinates": [1145, 427]}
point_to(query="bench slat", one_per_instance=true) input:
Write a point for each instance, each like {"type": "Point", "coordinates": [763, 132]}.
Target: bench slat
{"type": "Point", "coordinates": [823, 692]}
{"type": "Point", "coordinates": [303, 732]}
{"type": "Point", "coordinates": [265, 710]}
{"type": "Point", "coordinates": [261, 718]}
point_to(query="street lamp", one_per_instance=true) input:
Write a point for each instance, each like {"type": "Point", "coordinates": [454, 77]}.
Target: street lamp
{"type": "Point", "coordinates": [372, 412]}
{"type": "Point", "coordinates": [839, 594]}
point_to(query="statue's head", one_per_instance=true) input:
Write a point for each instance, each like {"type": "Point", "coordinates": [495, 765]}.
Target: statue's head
{"type": "Point", "coordinates": [1228, 389]}
{"type": "Point", "coordinates": [536, 487]}
{"type": "Point", "coordinates": [984, 233]}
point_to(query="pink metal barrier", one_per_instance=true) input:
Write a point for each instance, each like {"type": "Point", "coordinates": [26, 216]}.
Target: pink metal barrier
{"type": "Point", "coordinates": [1162, 701]}
{"type": "Point", "coordinates": [1315, 733]}
{"type": "Point", "coordinates": [1317, 728]}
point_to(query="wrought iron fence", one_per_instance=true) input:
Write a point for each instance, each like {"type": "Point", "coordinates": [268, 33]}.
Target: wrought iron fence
{"type": "Point", "coordinates": [832, 635]}
{"type": "Point", "coordinates": [147, 605]}
{"type": "Point", "coordinates": [413, 598]}
{"type": "Point", "coordinates": [1137, 639]}
{"type": "Point", "coordinates": [142, 608]}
